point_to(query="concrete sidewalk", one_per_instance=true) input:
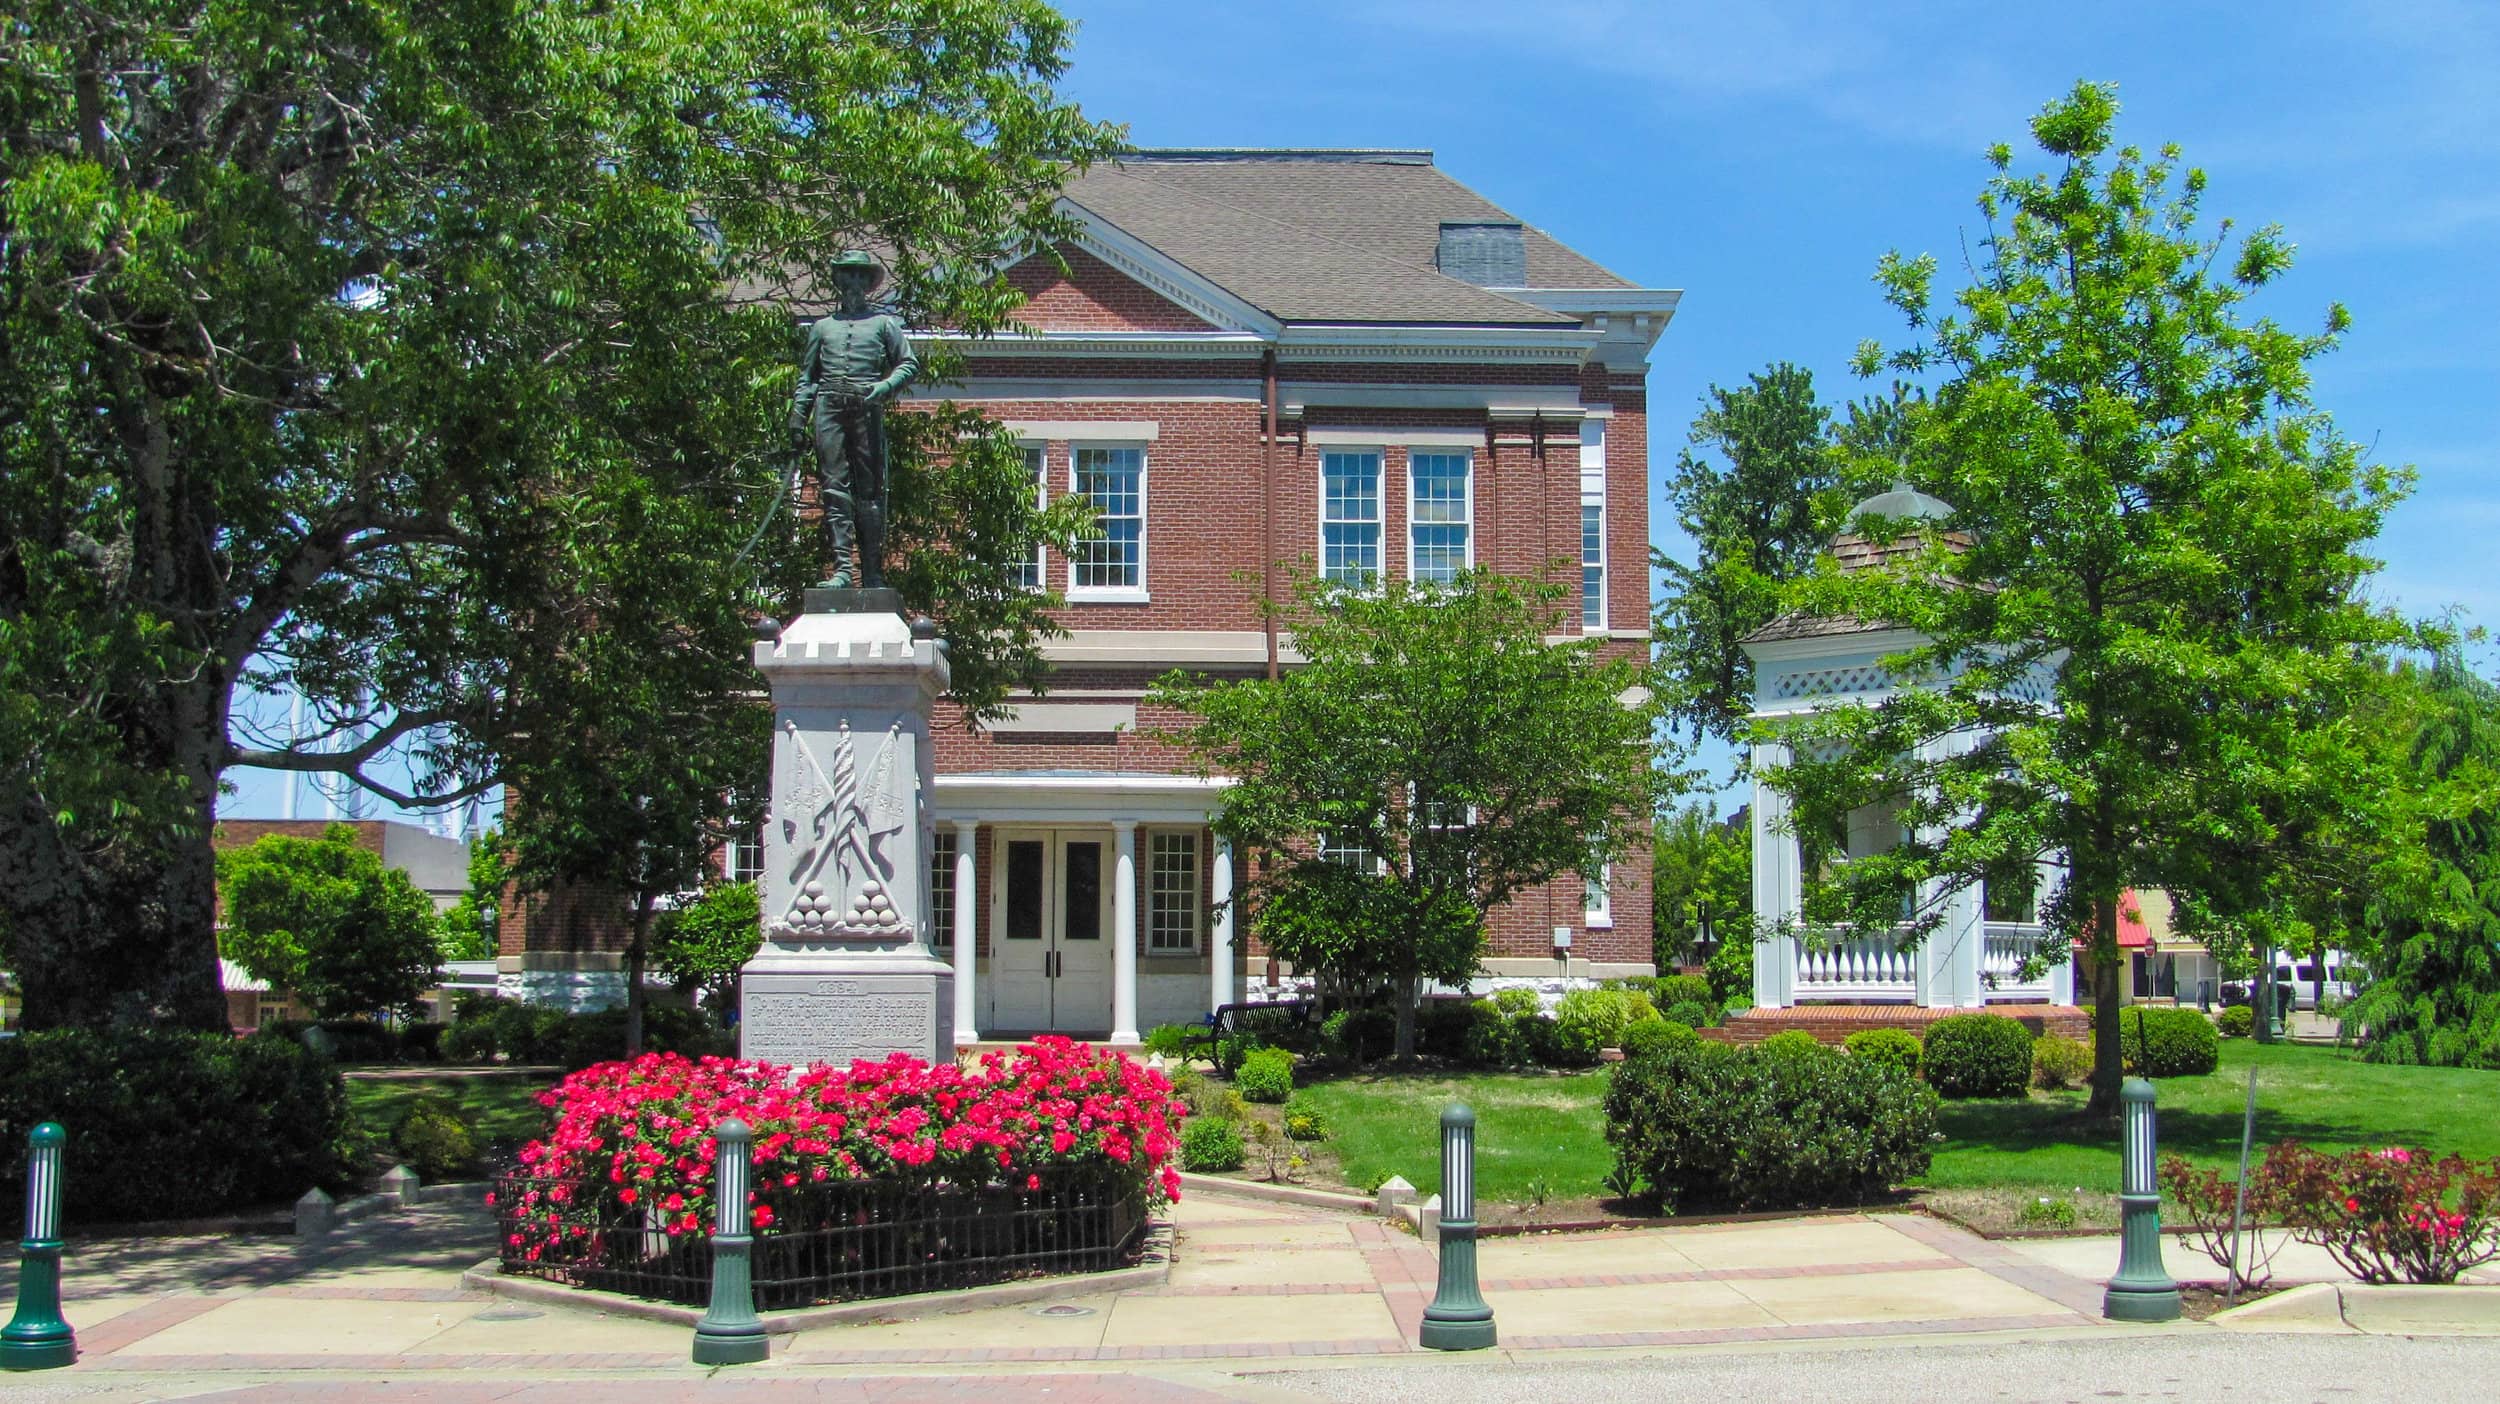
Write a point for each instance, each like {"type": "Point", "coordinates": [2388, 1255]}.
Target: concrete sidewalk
{"type": "Point", "coordinates": [1252, 1284]}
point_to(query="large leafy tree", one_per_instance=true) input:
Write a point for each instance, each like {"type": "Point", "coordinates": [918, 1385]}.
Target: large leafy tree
{"type": "Point", "coordinates": [1701, 880]}
{"type": "Point", "coordinates": [327, 920]}
{"type": "Point", "coordinates": [1432, 757]}
{"type": "Point", "coordinates": [328, 322]}
{"type": "Point", "coordinates": [1765, 477]}
{"type": "Point", "coordinates": [2434, 993]}
{"type": "Point", "coordinates": [2150, 578]}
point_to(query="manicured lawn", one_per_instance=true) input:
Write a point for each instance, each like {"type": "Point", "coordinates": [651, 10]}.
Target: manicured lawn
{"type": "Point", "coordinates": [1550, 1126]}
{"type": "Point", "coordinates": [500, 1108]}
{"type": "Point", "coordinates": [1528, 1126]}
{"type": "Point", "coordinates": [2323, 1096]}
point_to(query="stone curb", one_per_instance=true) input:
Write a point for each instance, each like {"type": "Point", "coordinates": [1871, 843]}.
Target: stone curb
{"type": "Point", "coordinates": [1278, 1194]}
{"type": "Point", "coordinates": [2400, 1309]}
{"type": "Point", "coordinates": [1154, 1271]}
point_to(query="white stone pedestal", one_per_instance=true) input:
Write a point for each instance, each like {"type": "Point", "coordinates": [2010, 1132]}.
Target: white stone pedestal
{"type": "Point", "coordinates": [845, 970]}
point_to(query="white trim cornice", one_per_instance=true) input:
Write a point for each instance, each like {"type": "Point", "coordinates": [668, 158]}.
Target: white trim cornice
{"type": "Point", "coordinates": [1151, 268]}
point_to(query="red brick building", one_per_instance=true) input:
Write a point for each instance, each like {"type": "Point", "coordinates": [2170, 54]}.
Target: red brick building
{"type": "Point", "coordinates": [1257, 364]}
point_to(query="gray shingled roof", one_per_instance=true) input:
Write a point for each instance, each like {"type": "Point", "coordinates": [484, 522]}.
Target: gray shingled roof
{"type": "Point", "coordinates": [1324, 240]}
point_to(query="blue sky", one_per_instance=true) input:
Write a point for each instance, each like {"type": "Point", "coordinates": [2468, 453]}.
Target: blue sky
{"type": "Point", "coordinates": [1761, 156]}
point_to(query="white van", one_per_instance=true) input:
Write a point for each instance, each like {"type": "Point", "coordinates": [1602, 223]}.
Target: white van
{"type": "Point", "coordinates": [2344, 977]}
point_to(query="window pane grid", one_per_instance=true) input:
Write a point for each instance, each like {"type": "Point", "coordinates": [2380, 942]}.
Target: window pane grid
{"type": "Point", "coordinates": [1172, 892]}
{"type": "Point", "coordinates": [1440, 524]}
{"type": "Point", "coordinates": [1349, 517]}
{"type": "Point", "coordinates": [1114, 481]}
{"type": "Point", "coordinates": [1029, 574]}
{"type": "Point", "coordinates": [942, 890]}
{"type": "Point", "coordinates": [1592, 566]}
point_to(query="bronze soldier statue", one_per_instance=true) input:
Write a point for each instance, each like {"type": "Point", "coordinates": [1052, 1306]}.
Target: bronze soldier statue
{"type": "Point", "coordinates": [856, 360]}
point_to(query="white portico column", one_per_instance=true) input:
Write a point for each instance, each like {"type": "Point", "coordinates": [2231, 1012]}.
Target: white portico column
{"type": "Point", "coordinates": [967, 954]}
{"type": "Point", "coordinates": [1220, 944]}
{"type": "Point", "coordinates": [1124, 931]}
{"type": "Point", "coordinates": [1776, 880]}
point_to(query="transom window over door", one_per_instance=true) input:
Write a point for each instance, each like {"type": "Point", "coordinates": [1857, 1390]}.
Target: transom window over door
{"type": "Point", "coordinates": [1442, 524]}
{"type": "Point", "coordinates": [1349, 517]}
{"type": "Point", "coordinates": [1114, 562]}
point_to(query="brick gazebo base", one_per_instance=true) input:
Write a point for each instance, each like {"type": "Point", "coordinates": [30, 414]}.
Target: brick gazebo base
{"type": "Point", "coordinates": [1831, 1023]}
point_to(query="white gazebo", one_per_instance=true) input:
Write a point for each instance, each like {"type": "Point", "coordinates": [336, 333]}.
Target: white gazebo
{"type": "Point", "coordinates": [1976, 955]}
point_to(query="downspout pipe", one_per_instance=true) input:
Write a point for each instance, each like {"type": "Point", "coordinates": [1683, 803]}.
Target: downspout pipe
{"type": "Point", "coordinates": [1267, 516]}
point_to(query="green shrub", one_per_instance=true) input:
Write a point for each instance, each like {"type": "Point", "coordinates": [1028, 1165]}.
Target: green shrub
{"type": "Point", "coordinates": [1279, 1028]}
{"type": "Point", "coordinates": [1232, 1048]}
{"type": "Point", "coordinates": [2162, 1042]}
{"type": "Point", "coordinates": [1517, 1000]}
{"type": "Point", "coordinates": [1650, 1035]}
{"type": "Point", "coordinates": [1265, 1076]}
{"type": "Point", "coordinates": [1440, 1027]}
{"type": "Point", "coordinates": [1371, 1033]}
{"type": "Point", "coordinates": [2058, 1062]}
{"type": "Point", "coordinates": [433, 1140]}
{"type": "Point", "coordinates": [1730, 972]}
{"type": "Point", "coordinates": [1209, 1144]}
{"type": "Point", "coordinates": [1693, 1013]}
{"type": "Point", "coordinates": [1673, 990]}
{"type": "Point", "coordinates": [1794, 1043]}
{"type": "Point", "coordinates": [1639, 984]}
{"type": "Point", "coordinates": [166, 1125]}
{"type": "Point", "coordinates": [1170, 1040]}
{"type": "Point", "coordinates": [422, 1043]}
{"type": "Point", "coordinates": [1712, 1126]}
{"type": "Point", "coordinates": [1539, 1040]}
{"type": "Point", "coordinates": [1304, 1124]}
{"type": "Point", "coordinates": [2237, 1020]}
{"type": "Point", "coordinates": [1896, 1046]}
{"type": "Point", "coordinates": [470, 1041]}
{"type": "Point", "coordinates": [1588, 1020]}
{"type": "Point", "coordinates": [2043, 1212]}
{"type": "Point", "coordinates": [1493, 1038]}
{"type": "Point", "coordinates": [1977, 1055]}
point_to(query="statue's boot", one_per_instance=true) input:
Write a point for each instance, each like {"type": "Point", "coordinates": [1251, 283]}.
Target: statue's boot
{"type": "Point", "coordinates": [838, 532]}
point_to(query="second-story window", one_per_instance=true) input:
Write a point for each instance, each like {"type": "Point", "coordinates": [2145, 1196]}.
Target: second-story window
{"type": "Point", "coordinates": [1114, 480]}
{"type": "Point", "coordinates": [1349, 517]}
{"type": "Point", "coordinates": [1029, 574]}
{"type": "Point", "coordinates": [1441, 519]}
{"type": "Point", "coordinates": [1592, 566]}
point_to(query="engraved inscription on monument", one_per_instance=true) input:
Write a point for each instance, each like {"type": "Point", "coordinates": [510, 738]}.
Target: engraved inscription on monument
{"type": "Point", "coordinates": [837, 1021]}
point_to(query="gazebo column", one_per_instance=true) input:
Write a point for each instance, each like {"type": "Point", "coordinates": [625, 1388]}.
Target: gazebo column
{"type": "Point", "coordinates": [1220, 934]}
{"type": "Point", "coordinates": [1124, 932]}
{"type": "Point", "coordinates": [967, 954]}
{"type": "Point", "coordinates": [1777, 888]}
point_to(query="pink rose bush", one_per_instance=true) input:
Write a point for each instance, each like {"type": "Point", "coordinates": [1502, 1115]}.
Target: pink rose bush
{"type": "Point", "coordinates": [2390, 1215]}
{"type": "Point", "coordinates": [632, 1141]}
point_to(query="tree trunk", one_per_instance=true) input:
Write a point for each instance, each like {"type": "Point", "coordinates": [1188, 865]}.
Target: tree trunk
{"type": "Point", "coordinates": [2108, 1057]}
{"type": "Point", "coordinates": [2261, 994]}
{"type": "Point", "coordinates": [633, 974]}
{"type": "Point", "coordinates": [1409, 989]}
{"type": "Point", "coordinates": [121, 934]}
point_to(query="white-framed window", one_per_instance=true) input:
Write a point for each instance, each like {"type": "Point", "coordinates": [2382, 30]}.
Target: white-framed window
{"type": "Point", "coordinates": [1441, 514]}
{"type": "Point", "coordinates": [1593, 526]}
{"type": "Point", "coordinates": [1597, 901]}
{"type": "Point", "coordinates": [1173, 907]}
{"type": "Point", "coordinates": [746, 857]}
{"type": "Point", "coordinates": [1349, 516]}
{"type": "Point", "coordinates": [1031, 573]}
{"type": "Point", "coordinates": [942, 890]}
{"type": "Point", "coordinates": [1592, 568]}
{"type": "Point", "coordinates": [1347, 848]}
{"type": "Point", "coordinates": [1111, 565]}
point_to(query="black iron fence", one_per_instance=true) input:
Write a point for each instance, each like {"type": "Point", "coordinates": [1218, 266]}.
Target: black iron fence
{"type": "Point", "coordinates": [836, 1242]}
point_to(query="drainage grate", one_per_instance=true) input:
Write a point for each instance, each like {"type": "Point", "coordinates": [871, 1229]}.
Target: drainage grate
{"type": "Point", "coordinates": [508, 1314]}
{"type": "Point", "coordinates": [1060, 1309]}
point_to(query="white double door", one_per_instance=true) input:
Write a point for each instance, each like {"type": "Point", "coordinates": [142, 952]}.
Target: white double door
{"type": "Point", "coordinates": [1050, 910]}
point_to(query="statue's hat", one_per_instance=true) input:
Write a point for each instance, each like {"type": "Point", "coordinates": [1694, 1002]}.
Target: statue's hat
{"type": "Point", "coordinates": [860, 259]}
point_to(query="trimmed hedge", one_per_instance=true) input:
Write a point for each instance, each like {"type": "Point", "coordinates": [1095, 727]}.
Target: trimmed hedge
{"type": "Point", "coordinates": [2058, 1062]}
{"type": "Point", "coordinates": [1977, 1055]}
{"type": "Point", "coordinates": [2237, 1020]}
{"type": "Point", "coordinates": [1899, 1047]}
{"type": "Point", "coordinates": [1693, 1013]}
{"type": "Point", "coordinates": [166, 1125]}
{"type": "Point", "coordinates": [487, 1026]}
{"type": "Point", "coordinates": [1724, 1127]}
{"type": "Point", "coordinates": [433, 1140]}
{"type": "Point", "coordinates": [1794, 1043]}
{"type": "Point", "coordinates": [1586, 1021]}
{"type": "Point", "coordinates": [2164, 1042]}
{"type": "Point", "coordinates": [1650, 1035]}
{"type": "Point", "coordinates": [1208, 1144]}
{"type": "Point", "coordinates": [1265, 1076]}
{"type": "Point", "coordinates": [1683, 989]}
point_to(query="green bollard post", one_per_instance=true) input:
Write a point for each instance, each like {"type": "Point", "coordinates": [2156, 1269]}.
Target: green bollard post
{"type": "Point", "coordinates": [37, 1338]}
{"type": "Point", "coordinates": [730, 1332]}
{"type": "Point", "coordinates": [1458, 1318]}
{"type": "Point", "coordinates": [2142, 1290]}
